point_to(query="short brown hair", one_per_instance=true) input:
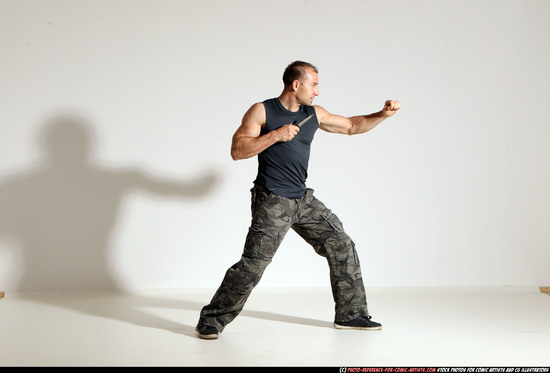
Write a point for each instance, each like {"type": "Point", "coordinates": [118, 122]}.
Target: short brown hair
{"type": "Point", "coordinates": [296, 71]}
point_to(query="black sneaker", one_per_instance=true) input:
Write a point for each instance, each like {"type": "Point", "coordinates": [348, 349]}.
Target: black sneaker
{"type": "Point", "coordinates": [361, 323]}
{"type": "Point", "coordinates": [207, 332]}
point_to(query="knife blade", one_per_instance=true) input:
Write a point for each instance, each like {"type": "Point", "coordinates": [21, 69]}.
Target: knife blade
{"type": "Point", "coordinates": [304, 121]}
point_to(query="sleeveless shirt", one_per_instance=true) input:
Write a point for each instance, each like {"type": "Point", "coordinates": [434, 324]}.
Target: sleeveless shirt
{"type": "Point", "coordinates": [282, 168]}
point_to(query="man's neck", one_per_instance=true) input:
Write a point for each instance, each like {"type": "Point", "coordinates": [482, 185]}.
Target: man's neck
{"type": "Point", "coordinates": [288, 100]}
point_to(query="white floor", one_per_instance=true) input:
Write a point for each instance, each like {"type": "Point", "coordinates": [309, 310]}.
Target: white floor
{"type": "Point", "coordinates": [489, 327]}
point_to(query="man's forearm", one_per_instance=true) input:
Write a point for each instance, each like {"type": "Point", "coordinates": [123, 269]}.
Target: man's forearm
{"type": "Point", "coordinates": [244, 147]}
{"type": "Point", "coordinates": [364, 123]}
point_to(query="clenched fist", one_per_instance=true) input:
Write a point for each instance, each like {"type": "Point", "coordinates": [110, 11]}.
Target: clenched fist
{"type": "Point", "coordinates": [287, 132]}
{"type": "Point", "coordinates": [391, 107]}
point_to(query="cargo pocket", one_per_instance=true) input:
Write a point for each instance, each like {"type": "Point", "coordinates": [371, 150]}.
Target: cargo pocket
{"type": "Point", "coordinates": [333, 220]}
{"type": "Point", "coordinates": [260, 244]}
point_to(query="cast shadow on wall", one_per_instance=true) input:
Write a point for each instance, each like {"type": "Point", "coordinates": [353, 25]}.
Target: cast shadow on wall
{"type": "Point", "coordinates": [61, 214]}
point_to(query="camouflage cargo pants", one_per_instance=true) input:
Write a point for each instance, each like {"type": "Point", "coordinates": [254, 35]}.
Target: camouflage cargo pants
{"type": "Point", "coordinates": [272, 217]}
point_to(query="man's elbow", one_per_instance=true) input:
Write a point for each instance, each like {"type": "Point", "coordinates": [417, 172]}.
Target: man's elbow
{"type": "Point", "coordinates": [235, 155]}
{"type": "Point", "coordinates": [351, 130]}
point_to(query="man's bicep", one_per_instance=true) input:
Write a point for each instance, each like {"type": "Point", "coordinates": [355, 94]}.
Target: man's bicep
{"type": "Point", "coordinates": [332, 123]}
{"type": "Point", "coordinates": [252, 122]}
{"type": "Point", "coordinates": [246, 136]}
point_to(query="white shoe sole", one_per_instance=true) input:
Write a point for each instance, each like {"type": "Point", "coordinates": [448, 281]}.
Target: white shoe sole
{"type": "Point", "coordinates": [207, 336]}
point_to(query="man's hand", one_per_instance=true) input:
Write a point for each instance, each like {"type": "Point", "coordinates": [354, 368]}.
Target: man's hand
{"type": "Point", "coordinates": [390, 108]}
{"type": "Point", "coordinates": [287, 132]}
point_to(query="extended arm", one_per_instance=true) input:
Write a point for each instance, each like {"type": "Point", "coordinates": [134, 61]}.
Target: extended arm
{"type": "Point", "coordinates": [357, 124]}
{"type": "Point", "coordinates": [196, 187]}
{"type": "Point", "coordinates": [248, 141]}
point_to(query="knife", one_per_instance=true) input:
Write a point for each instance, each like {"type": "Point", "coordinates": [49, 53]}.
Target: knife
{"type": "Point", "coordinates": [304, 121]}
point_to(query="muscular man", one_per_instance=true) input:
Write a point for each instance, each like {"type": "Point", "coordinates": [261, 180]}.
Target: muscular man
{"type": "Point", "coordinates": [281, 201]}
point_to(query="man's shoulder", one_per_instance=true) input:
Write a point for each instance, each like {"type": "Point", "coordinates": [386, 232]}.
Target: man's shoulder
{"type": "Point", "coordinates": [256, 114]}
{"type": "Point", "coordinates": [257, 108]}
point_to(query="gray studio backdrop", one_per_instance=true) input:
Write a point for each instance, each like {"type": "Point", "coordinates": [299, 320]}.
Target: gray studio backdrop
{"type": "Point", "coordinates": [116, 120]}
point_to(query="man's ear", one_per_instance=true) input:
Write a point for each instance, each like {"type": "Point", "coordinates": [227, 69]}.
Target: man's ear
{"type": "Point", "coordinates": [295, 84]}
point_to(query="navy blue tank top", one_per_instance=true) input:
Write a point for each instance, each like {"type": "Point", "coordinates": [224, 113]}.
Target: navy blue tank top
{"type": "Point", "coordinates": [282, 168]}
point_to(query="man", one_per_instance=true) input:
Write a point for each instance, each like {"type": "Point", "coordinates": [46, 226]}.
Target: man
{"type": "Point", "coordinates": [273, 131]}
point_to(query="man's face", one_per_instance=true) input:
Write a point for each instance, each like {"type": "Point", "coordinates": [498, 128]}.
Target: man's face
{"type": "Point", "coordinates": [308, 88]}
